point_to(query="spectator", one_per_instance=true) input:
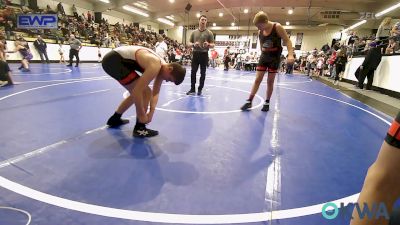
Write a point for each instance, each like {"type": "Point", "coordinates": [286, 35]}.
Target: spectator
{"type": "Point", "coordinates": [9, 28]}
{"type": "Point", "coordinates": [341, 60]}
{"type": "Point", "coordinates": [89, 16]}
{"type": "Point", "coordinates": [3, 48]}
{"type": "Point", "coordinates": [392, 47]}
{"type": "Point", "coordinates": [171, 55]}
{"type": "Point", "coordinates": [290, 66]}
{"type": "Point", "coordinates": [311, 62]}
{"type": "Point", "coordinates": [227, 58]}
{"type": "Point", "coordinates": [161, 47]}
{"type": "Point", "coordinates": [99, 53]}
{"type": "Point", "coordinates": [325, 48]}
{"type": "Point", "coordinates": [367, 69]}
{"type": "Point", "coordinates": [2, 4]}
{"type": "Point", "coordinates": [331, 62]}
{"type": "Point", "coordinates": [74, 11]}
{"type": "Point", "coordinates": [383, 32]}
{"type": "Point", "coordinates": [117, 42]}
{"type": "Point", "coordinates": [396, 31]}
{"type": "Point", "coordinates": [49, 10]}
{"type": "Point", "coordinates": [61, 52]}
{"type": "Point", "coordinates": [41, 47]}
{"type": "Point", "coordinates": [60, 9]}
{"type": "Point", "coordinates": [214, 57]}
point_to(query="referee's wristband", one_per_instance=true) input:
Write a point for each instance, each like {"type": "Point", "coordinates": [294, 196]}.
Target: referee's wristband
{"type": "Point", "coordinates": [393, 135]}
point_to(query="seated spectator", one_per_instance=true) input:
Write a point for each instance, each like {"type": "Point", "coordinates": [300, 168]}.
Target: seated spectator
{"type": "Point", "coordinates": [392, 47]}
{"type": "Point", "coordinates": [49, 10]}
{"type": "Point", "coordinates": [2, 4]}
{"type": "Point", "coordinates": [396, 31]}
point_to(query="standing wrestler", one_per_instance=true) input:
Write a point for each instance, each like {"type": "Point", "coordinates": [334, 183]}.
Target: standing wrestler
{"type": "Point", "coordinates": [201, 40]}
{"type": "Point", "coordinates": [271, 35]}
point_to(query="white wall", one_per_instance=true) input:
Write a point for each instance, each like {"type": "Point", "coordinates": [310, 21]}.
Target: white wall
{"type": "Point", "coordinates": [315, 38]}
{"type": "Point", "coordinates": [175, 33]}
{"type": "Point", "coordinates": [81, 6]}
{"type": "Point", "coordinates": [85, 54]}
{"type": "Point", "coordinates": [154, 26]}
{"type": "Point", "coordinates": [113, 17]}
{"type": "Point", "coordinates": [386, 75]}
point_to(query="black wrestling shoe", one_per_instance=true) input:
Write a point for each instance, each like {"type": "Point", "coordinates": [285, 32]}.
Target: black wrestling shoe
{"type": "Point", "coordinates": [265, 107]}
{"type": "Point", "coordinates": [191, 92]}
{"type": "Point", "coordinates": [144, 132]}
{"type": "Point", "coordinates": [116, 122]}
{"type": "Point", "coordinates": [199, 92]}
{"type": "Point", "coordinates": [246, 106]}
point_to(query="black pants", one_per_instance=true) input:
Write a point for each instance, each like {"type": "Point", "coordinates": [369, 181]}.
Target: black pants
{"type": "Point", "coordinates": [226, 63]}
{"type": "Point", "coordinates": [339, 68]}
{"type": "Point", "coordinates": [72, 53]}
{"type": "Point", "coordinates": [289, 69]}
{"type": "Point", "coordinates": [199, 59]}
{"type": "Point", "coordinates": [366, 73]}
{"type": "Point", "coordinates": [41, 53]}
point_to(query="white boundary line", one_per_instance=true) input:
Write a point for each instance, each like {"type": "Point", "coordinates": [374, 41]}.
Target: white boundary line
{"type": "Point", "coordinates": [39, 74]}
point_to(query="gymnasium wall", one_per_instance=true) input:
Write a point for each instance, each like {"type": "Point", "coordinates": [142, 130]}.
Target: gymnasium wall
{"type": "Point", "coordinates": [85, 54]}
{"type": "Point", "coordinates": [386, 75]}
{"type": "Point", "coordinates": [175, 33]}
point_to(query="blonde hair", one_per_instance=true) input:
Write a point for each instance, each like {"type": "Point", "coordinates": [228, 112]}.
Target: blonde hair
{"type": "Point", "coordinates": [260, 17]}
{"type": "Point", "coordinates": [386, 21]}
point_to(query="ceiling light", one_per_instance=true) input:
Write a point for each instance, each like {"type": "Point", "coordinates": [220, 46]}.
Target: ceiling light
{"type": "Point", "coordinates": [232, 24]}
{"type": "Point", "coordinates": [387, 10]}
{"type": "Point", "coordinates": [105, 1]}
{"type": "Point", "coordinates": [142, 5]}
{"type": "Point", "coordinates": [171, 17]}
{"type": "Point", "coordinates": [290, 11]}
{"type": "Point", "coordinates": [354, 26]}
{"type": "Point", "coordinates": [214, 24]}
{"type": "Point", "coordinates": [245, 10]}
{"type": "Point", "coordinates": [197, 15]}
{"type": "Point", "coordinates": [162, 20]}
{"type": "Point", "coordinates": [221, 14]}
{"type": "Point", "coordinates": [287, 23]}
{"type": "Point", "coordinates": [135, 10]}
{"type": "Point", "coordinates": [171, 1]}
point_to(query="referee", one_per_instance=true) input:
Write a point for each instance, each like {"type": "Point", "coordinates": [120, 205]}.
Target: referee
{"type": "Point", "coordinates": [201, 40]}
{"type": "Point", "coordinates": [75, 45]}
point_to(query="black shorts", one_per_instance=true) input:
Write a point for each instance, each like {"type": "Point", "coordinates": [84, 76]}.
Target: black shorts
{"type": "Point", "coordinates": [269, 62]}
{"type": "Point", "coordinates": [123, 70]}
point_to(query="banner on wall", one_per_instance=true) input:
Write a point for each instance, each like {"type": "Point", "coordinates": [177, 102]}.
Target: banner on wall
{"type": "Point", "coordinates": [37, 21]}
{"type": "Point", "coordinates": [299, 39]}
{"type": "Point", "coordinates": [255, 37]}
{"type": "Point", "coordinates": [289, 33]}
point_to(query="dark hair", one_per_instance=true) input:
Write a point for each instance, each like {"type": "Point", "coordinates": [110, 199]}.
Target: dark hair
{"type": "Point", "coordinates": [179, 72]}
{"type": "Point", "coordinates": [202, 16]}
